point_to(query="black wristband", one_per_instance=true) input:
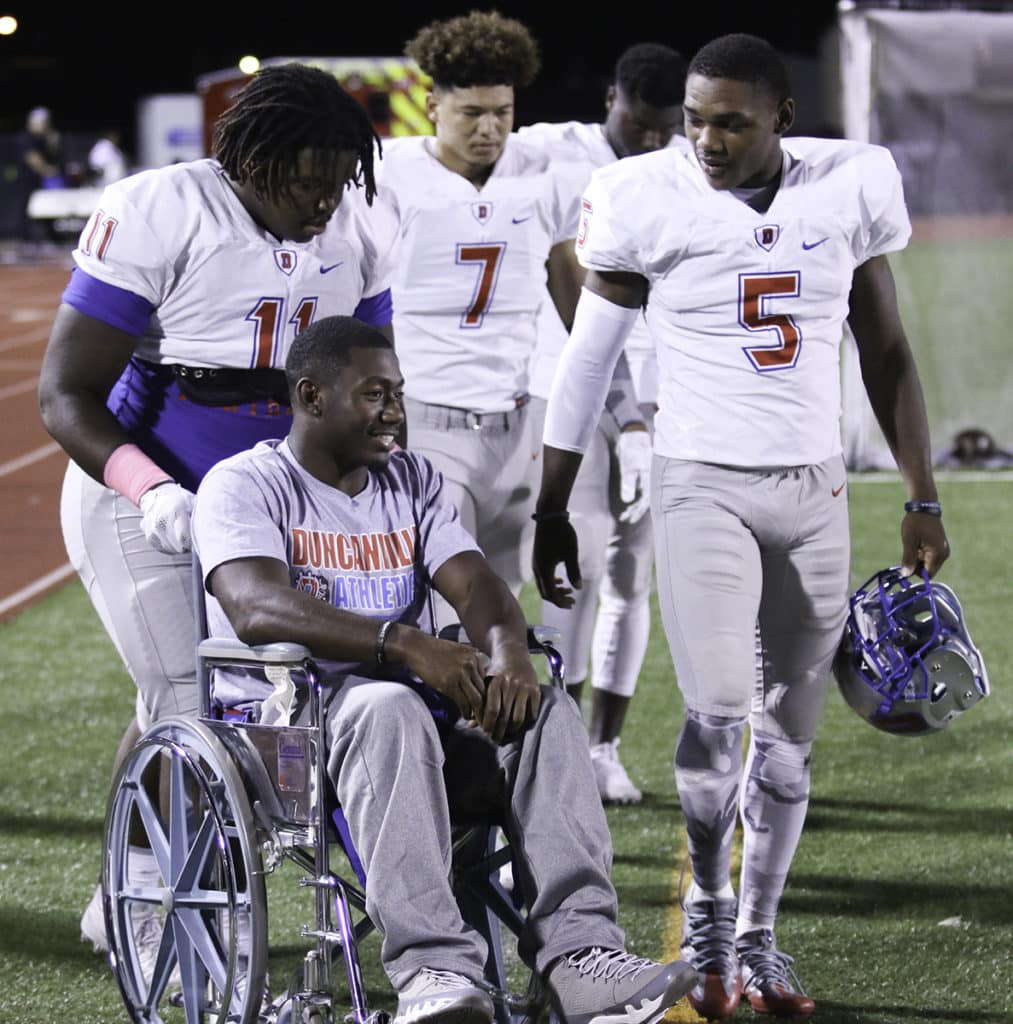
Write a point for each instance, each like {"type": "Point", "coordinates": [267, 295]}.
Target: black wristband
{"type": "Point", "coordinates": [929, 508]}
{"type": "Point", "coordinates": [381, 640]}
{"type": "Point", "coordinates": [541, 517]}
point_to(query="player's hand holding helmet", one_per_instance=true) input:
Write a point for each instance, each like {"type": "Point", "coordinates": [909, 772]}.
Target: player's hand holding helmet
{"type": "Point", "coordinates": [165, 518]}
{"type": "Point", "coordinates": [633, 450]}
{"type": "Point", "coordinates": [907, 663]}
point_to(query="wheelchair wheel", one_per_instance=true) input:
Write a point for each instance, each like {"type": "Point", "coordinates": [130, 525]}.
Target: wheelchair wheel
{"type": "Point", "coordinates": [201, 926]}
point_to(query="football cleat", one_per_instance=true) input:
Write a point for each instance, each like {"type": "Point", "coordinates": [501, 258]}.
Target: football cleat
{"type": "Point", "coordinates": [614, 785]}
{"type": "Point", "coordinates": [769, 981]}
{"type": "Point", "coordinates": [708, 943]}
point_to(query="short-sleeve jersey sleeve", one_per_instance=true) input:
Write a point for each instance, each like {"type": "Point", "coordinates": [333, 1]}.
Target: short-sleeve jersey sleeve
{"type": "Point", "coordinates": [606, 240]}
{"type": "Point", "coordinates": [123, 243]}
{"type": "Point", "coordinates": [886, 226]}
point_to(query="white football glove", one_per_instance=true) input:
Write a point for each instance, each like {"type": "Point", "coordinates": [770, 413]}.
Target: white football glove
{"type": "Point", "coordinates": [165, 518]}
{"type": "Point", "coordinates": [633, 449]}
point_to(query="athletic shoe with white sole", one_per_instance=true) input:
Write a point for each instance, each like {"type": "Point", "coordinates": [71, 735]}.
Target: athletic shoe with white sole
{"type": "Point", "coordinates": [445, 997]}
{"type": "Point", "coordinates": [93, 923]}
{"type": "Point", "coordinates": [609, 986]}
{"type": "Point", "coordinates": [708, 943]}
{"type": "Point", "coordinates": [614, 784]}
{"type": "Point", "coordinates": [769, 981]}
{"type": "Point", "coordinates": [147, 935]}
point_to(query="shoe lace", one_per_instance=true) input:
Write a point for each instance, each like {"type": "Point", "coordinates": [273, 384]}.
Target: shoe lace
{"type": "Point", "coordinates": [768, 967]}
{"type": "Point", "coordinates": [713, 931]}
{"type": "Point", "coordinates": [607, 964]}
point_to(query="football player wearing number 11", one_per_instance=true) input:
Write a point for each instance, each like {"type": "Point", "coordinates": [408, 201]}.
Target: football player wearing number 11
{"type": "Point", "coordinates": [767, 245]}
{"type": "Point", "coordinates": [167, 351]}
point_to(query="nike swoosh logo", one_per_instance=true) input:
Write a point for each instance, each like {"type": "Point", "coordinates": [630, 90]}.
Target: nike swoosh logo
{"type": "Point", "coordinates": [812, 245]}
{"type": "Point", "coordinates": [333, 266]}
{"type": "Point", "coordinates": [521, 220]}
{"type": "Point", "coordinates": [837, 490]}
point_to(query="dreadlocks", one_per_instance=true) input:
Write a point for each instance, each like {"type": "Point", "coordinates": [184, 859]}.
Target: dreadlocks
{"type": "Point", "coordinates": [287, 108]}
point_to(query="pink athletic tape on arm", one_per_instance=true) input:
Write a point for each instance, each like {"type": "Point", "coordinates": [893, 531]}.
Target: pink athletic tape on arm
{"type": "Point", "coordinates": [129, 471]}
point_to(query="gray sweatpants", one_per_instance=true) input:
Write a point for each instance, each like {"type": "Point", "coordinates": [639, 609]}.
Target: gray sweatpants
{"type": "Point", "coordinates": [400, 776]}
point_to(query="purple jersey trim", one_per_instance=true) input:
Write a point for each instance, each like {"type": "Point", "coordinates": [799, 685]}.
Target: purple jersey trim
{"type": "Point", "coordinates": [375, 310]}
{"type": "Point", "coordinates": [113, 306]}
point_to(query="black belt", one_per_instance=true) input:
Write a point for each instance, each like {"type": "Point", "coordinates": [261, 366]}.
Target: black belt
{"type": "Point", "coordinates": [226, 385]}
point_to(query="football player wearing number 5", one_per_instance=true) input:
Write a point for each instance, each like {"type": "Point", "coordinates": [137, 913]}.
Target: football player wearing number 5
{"type": "Point", "coordinates": [767, 244]}
{"type": "Point", "coordinates": [167, 351]}
{"type": "Point", "coordinates": [480, 214]}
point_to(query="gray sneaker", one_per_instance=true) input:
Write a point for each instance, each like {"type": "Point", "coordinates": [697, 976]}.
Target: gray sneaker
{"type": "Point", "coordinates": [608, 986]}
{"type": "Point", "coordinates": [443, 996]}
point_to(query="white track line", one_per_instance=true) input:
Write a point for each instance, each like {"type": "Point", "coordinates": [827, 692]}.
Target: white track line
{"type": "Point", "coordinates": [25, 594]}
{"type": "Point", "coordinates": [26, 460]}
{"type": "Point", "coordinates": [19, 389]}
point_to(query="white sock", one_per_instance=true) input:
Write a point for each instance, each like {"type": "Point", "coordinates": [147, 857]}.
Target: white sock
{"type": "Point", "coordinates": [726, 892]}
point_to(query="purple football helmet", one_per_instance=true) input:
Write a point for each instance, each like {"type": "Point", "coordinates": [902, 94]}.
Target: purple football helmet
{"type": "Point", "coordinates": [907, 663]}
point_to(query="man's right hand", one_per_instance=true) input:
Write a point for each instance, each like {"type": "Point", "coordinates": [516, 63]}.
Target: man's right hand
{"type": "Point", "coordinates": [165, 518]}
{"type": "Point", "coordinates": [456, 670]}
{"type": "Point", "coordinates": [555, 542]}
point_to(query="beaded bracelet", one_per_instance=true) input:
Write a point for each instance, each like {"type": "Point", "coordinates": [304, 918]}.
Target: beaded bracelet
{"type": "Point", "coordinates": [929, 508]}
{"type": "Point", "coordinates": [381, 640]}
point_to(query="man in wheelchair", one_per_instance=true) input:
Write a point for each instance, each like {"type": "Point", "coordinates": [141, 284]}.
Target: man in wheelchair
{"type": "Point", "coordinates": [332, 539]}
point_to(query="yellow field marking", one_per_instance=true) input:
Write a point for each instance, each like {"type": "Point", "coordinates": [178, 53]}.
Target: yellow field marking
{"type": "Point", "coordinates": [682, 1012]}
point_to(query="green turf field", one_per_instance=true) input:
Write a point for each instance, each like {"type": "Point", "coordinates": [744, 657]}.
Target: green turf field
{"type": "Point", "coordinates": [903, 834]}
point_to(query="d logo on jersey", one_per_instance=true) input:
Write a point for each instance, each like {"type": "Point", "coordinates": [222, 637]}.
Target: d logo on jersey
{"type": "Point", "coordinates": [285, 259]}
{"type": "Point", "coordinates": [481, 212]}
{"type": "Point", "coordinates": [766, 236]}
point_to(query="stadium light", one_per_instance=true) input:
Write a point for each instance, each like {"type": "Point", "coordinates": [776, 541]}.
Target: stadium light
{"type": "Point", "coordinates": [248, 65]}
{"type": "Point", "coordinates": [8, 25]}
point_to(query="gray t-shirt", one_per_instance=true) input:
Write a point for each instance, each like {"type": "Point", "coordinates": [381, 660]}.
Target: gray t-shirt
{"type": "Point", "coordinates": [373, 554]}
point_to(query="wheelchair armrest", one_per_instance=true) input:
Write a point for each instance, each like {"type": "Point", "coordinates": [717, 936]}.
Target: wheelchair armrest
{"type": "Point", "coordinates": [537, 635]}
{"type": "Point", "coordinates": [229, 651]}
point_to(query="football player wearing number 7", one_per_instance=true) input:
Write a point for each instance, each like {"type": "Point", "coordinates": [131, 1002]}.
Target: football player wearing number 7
{"type": "Point", "coordinates": [481, 214]}
{"type": "Point", "coordinates": [765, 246]}
{"type": "Point", "coordinates": [167, 351]}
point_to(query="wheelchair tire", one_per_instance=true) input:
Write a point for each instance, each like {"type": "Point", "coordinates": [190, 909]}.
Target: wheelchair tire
{"type": "Point", "coordinates": [209, 906]}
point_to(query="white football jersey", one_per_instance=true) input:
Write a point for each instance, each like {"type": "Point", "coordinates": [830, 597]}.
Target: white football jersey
{"type": "Point", "coordinates": [585, 144]}
{"type": "Point", "coordinates": [226, 292]}
{"type": "Point", "coordinates": [470, 269]}
{"type": "Point", "coordinates": [747, 308]}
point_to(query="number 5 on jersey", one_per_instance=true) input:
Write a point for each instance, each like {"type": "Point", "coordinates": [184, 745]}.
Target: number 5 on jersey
{"type": "Point", "coordinates": [755, 291]}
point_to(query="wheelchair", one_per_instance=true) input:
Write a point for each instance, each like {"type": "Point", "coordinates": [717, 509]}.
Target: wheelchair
{"type": "Point", "coordinates": [235, 799]}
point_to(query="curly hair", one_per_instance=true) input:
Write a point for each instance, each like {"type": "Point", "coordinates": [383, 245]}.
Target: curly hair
{"type": "Point", "coordinates": [479, 48]}
{"type": "Point", "coordinates": [284, 109]}
{"type": "Point", "coordinates": [743, 58]}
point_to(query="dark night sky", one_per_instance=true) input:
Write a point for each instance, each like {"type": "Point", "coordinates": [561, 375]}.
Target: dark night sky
{"type": "Point", "coordinates": [91, 67]}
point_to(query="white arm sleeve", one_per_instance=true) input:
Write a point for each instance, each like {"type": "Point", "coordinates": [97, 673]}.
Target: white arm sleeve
{"type": "Point", "coordinates": [582, 378]}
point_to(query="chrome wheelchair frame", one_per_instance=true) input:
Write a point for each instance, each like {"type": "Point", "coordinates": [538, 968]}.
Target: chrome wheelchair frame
{"type": "Point", "coordinates": [236, 799]}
